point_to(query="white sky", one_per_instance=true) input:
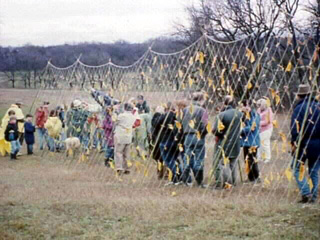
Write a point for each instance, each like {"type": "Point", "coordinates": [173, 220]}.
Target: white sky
{"type": "Point", "coordinates": [52, 22]}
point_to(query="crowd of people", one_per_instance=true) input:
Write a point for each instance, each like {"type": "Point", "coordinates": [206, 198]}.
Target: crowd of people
{"type": "Point", "coordinates": [174, 134]}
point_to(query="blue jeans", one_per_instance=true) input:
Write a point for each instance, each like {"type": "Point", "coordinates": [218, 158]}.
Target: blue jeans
{"type": "Point", "coordinates": [303, 185]}
{"type": "Point", "coordinates": [30, 148]}
{"type": "Point", "coordinates": [169, 153]}
{"type": "Point", "coordinates": [85, 140]}
{"type": "Point", "coordinates": [51, 144]}
{"type": "Point", "coordinates": [42, 136]}
{"type": "Point", "coordinates": [98, 137]}
{"type": "Point", "coordinates": [193, 158]}
{"type": "Point", "coordinates": [15, 146]}
{"type": "Point", "coordinates": [109, 152]}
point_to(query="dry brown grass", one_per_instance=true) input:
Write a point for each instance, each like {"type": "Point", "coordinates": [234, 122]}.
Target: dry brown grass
{"type": "Point", "coordinates": [50, 197]}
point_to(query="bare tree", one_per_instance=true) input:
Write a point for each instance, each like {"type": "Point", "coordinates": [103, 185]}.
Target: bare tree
{"type": "Point", "coordinates": [233, 19]}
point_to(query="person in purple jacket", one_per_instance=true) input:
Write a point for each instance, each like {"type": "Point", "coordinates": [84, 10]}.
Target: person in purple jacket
{"type": "Point", "coordinates": [107, 126]}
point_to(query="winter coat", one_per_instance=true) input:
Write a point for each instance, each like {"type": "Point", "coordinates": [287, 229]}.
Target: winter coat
{"type": "Point", "coordinates": [310, 141]}
{"type": "Point", "coordinates": [229, 136]}
{"type": "Point", "coordinates": [77, 122]}
{"type": "Point", "coordinates": [155, 137]}
{"type": "Point", "coordinates": [170, 133]}
{"type": "Point", "coordinates": [54, 127]}
{"type": "Point", "coordinates": [41, 117]}
{"type": "Point", "coordinates": [29, 130]}
{"type": "Point", "coordinates": [199, 116]}
{"type": "Point", "coordinates": [124, 127]}
{"type": "Point", "coordinates": [19, 115]}
{"type": "Point", "coordinates": [11, 128]}
{"type": "Point", "coordinates": [266, 119]}
{"type": "Point", "coordinates": [144, 108]}
{"type": "Point", "coordinates": [142, 132]}
{"type": "Point", "coordinates": [250, 133]}
{"type": "Point", "coordinates": [107, 126]}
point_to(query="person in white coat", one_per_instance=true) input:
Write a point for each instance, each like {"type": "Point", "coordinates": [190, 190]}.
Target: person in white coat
{"type": "Point", "coordinates": [123, 138]}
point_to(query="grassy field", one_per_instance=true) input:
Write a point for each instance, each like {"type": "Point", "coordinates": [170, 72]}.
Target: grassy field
{"type": "Point", "coordinates": [50, 197]}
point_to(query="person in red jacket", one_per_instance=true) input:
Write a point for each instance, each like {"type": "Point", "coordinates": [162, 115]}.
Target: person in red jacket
{"type": "Point", "coordinates": [41, 115]}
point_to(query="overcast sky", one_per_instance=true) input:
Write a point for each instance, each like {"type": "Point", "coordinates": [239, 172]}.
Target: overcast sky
{"type": "Point", "coordinates": [52, 22]}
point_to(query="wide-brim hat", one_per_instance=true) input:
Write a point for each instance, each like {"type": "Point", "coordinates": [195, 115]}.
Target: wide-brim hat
{"type": "Point", "coordinates": [304, 89]}
{"type": "Point", "coordinates": [77, 103]}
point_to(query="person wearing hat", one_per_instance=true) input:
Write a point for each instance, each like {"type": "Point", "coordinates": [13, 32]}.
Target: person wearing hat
{"type": "Point", "coordinates": [194, 122]}
{"type": "Point", "coordinates": [142, 105]}
{"type": "Point", "coordinates": [12, 136]}
{"type": "Point", "coordinates": [76, 121]}
{"type": "Point", "coordinates": [123, 138]}
{"type": "Point", "coordinates": [41, 116]}
{"type": "Point", "coordinates": [305, 141]}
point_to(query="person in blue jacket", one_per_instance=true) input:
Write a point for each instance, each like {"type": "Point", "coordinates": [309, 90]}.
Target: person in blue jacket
{"type": "Point", "coordinates": [305, 141]}
{"type": "Point", "coordinates": [250, 140]}
{"type": "Point", "coordinates": [29, 130]}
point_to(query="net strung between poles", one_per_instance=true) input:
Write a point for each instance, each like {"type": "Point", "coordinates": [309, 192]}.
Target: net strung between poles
{"type": "Point", "coordinates": [247, 69]}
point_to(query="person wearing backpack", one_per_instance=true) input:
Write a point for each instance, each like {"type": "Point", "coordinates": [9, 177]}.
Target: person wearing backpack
{"type": "Point", "coordinates": [12, 136]}
{"type": "Point", "coordinates": [29, 130]}
{"type": "Point", "coordinates": [54, 126]}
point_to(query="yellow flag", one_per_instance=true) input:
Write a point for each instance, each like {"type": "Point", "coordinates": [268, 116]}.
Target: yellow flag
{"type": "Point", "coordinates": [191, 124]}
{"type": "Point", "coordinates": [273, 93]}
{"type": "Point", "coordinates": [201, 57]}
{"type": "Point", "coordinates": [170, 176]}
{"type": "Point", "coordinates": [111, 165]}
{"type": "Point", "coordinates": [250, 55]}
{"type": "Point", "coordinates": [222, 77]}
{"type": "Point", "coordinates": [234, 67]}
{"type": "Point", "coordinates": [70, 152]}
{"type": "Point", "coordinates": [210, 82]}
{"type": "Point", "coordinates": [178, 125]}
{"type": "Point", "coordinates": [266, 181]}
{"type": "Point", "coordinates": [288, 174]}
{"type": "Point", "coordinates": [159, 166]}
{"type": "Point", "coordinates": [170, 126]}
{"type": "Point", "coordinates": [227, 186]}
{"type": "Point", "coordinates": [254, 125]}
{"type": "Point", "coordinates": [277, 99]}
{"type": "Point", "coordinates": [221, 127]}
{"type": "Point", "coordinates": [209, 127]}
{"type": "Point", "coordinates": [198, 135]}
{"type": "Point", "coordinates": [283, 137]}
{"type": "Point", "coordinates": [301, 171]}
{"type": "Point", "coordinates": [129, 163]}
{"type": "Point", "coordinates": [275, 124]}
{"type": "Point", "coordinates": [146, 172]}
{"type": "Point", "coordinates": [180, 72]}
{"type": "Point", "coordinates": [173, 194]}
{"type": "Point", "coordinates": [289, 67]}
{"type": "Point", "coordinates": [180, 147]}
{"type": "Point", "coordinates": [249, 85]}
{"type": "Point", "coordinates": [310, 183]}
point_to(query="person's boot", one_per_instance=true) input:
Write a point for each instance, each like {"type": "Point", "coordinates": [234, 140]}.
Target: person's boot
{"type": "Point", "coordinates": [305, 199]}
{"type": "Point", "coordinates": [107, 162]}
{"type": "Point", "coordinates": [199, 177]}
{"type": "Point", "coordinates": [12, 157]}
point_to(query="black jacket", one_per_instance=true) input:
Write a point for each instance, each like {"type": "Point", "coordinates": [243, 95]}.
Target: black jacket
{"type": "Point", "coordinates": [11, 127]}
{"type": "Point", "coordinates": [144, 108]}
